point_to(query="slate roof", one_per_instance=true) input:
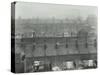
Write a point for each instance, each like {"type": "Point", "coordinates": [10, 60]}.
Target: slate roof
{"type": "Point", "coordinates": [51, 50]}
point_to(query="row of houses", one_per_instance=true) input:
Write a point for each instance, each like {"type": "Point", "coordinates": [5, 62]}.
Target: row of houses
{"type": "Point", "coordinates": [53, 50]}
{"type": "Point", "coordinates": [46, 34]}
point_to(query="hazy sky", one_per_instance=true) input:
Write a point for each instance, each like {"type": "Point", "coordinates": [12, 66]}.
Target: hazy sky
{"type": "Point", "coordinates": [29, 10]}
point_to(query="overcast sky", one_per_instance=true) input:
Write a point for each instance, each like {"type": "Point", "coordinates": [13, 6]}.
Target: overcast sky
{"type": "Point", "coordinates": [42, 10]}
